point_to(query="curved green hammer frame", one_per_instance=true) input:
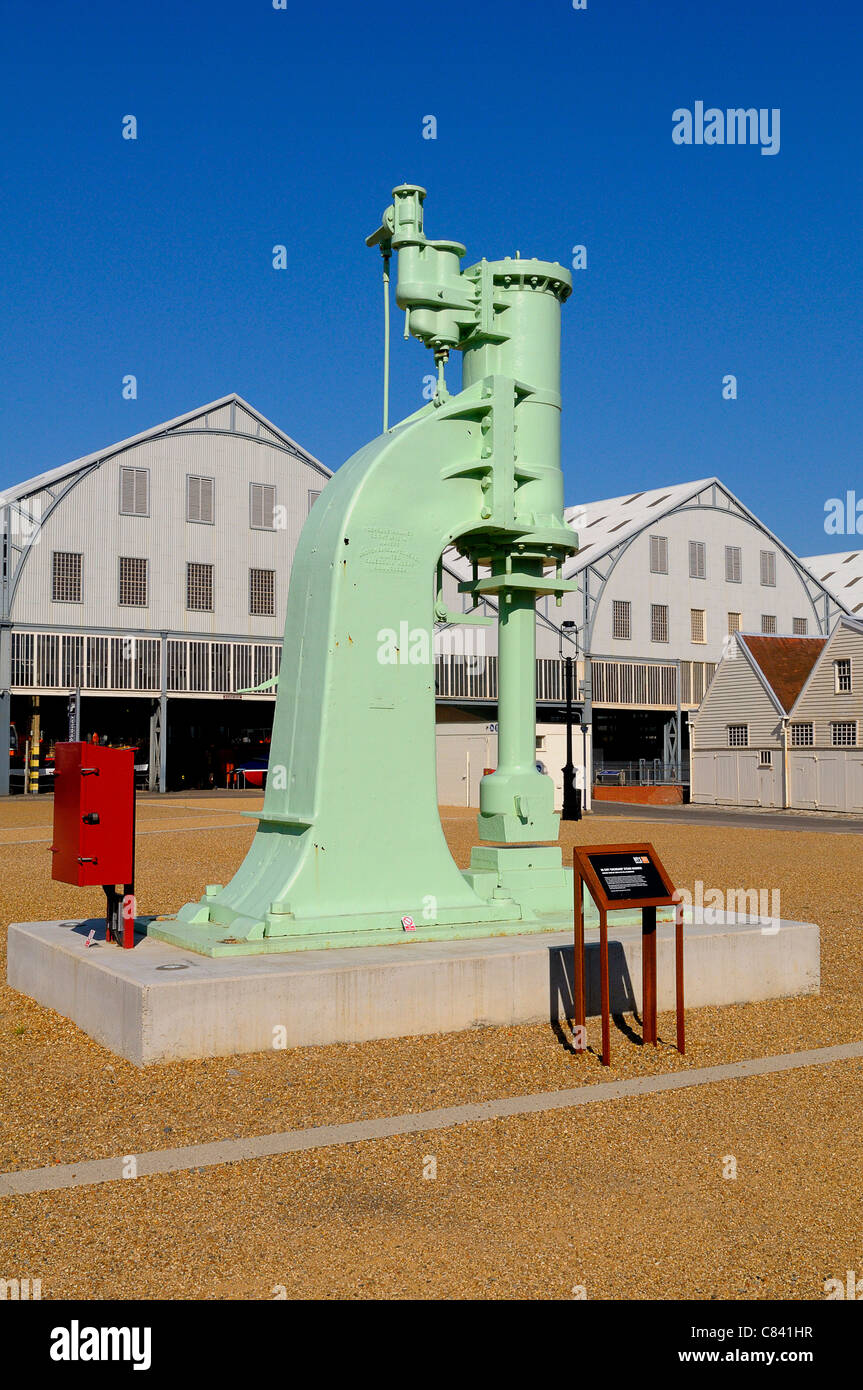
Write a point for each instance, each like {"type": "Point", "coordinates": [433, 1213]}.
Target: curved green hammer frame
{"type": "Point", "coordinates": [349, 842]}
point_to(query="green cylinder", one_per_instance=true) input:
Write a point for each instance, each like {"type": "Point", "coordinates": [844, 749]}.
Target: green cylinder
{"type": "Point", "coordinates": [516, 683]}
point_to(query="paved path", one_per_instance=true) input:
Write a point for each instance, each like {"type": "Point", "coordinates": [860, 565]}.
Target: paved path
{"type": "Point", "coordinates": [722, 815]}
{"type": "Point", "coordinates": [326, 1136]}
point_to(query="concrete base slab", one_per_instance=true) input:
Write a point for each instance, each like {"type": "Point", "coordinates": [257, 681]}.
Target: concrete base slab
{"type": "Point", "coordinates": [159, 1003]}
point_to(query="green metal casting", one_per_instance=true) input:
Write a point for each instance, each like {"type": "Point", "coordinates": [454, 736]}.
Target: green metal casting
{"type": "Point", "coordinates": [349, 841]}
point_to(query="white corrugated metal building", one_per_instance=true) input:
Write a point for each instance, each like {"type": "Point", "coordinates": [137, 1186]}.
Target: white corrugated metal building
{"type": "Point", "coordinates": [666, 577]}
{"type": "Point", "coordinates": [153, 576]}
{"type": "Point", "coordinates": [842, 574]}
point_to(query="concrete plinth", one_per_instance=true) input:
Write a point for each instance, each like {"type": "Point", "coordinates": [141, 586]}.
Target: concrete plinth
{"type": "Point", "coordinates": [160, 1003]}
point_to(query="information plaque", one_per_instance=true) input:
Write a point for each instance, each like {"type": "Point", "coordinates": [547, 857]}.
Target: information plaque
{"type": "Point", "coordinates": [623, 876]}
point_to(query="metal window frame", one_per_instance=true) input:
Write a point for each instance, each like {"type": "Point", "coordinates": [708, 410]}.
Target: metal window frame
{"type": "Point", "coordinates": [627, 605]}
{"type": "Point", "coordinates": [663, 553]}
{"type": "Point", "coordinates": [730, 551]}
{"type": "Point", "coordinates": [661, 607]}
{"type": "Point", "coordinates": [700, 549]}
{"type": "Point", "coordinates": [770, 557]}
{"type": "Point", "coordinates": [200, 564]}
{"type": "Point", "coordinates": [141, 560]}
{"type": "Point", "coordinates": [199, 520]}
{"type": "Point", "coordinates": [255, 613]}
{"type": "Point", "coordinates": [69, 554]}
{"type": "Point", "coordinates": [272, 526]}
{"type": "Point", "coordinates": [132, 468]}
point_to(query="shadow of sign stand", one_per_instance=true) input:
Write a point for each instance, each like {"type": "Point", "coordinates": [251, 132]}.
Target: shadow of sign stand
{"type": "Point", "coordinates": [624, 876]}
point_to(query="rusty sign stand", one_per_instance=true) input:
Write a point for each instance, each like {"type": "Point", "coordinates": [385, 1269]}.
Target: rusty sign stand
{"type": "Point", "coordinates": [618, 876]}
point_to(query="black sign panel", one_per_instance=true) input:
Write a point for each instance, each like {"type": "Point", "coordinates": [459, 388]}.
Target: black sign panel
{"type": "Point", "coordinates": [626, 876]}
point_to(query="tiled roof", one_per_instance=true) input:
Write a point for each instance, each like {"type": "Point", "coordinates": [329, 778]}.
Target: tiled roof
{"type": "Point", "coordinates": [785, 662]}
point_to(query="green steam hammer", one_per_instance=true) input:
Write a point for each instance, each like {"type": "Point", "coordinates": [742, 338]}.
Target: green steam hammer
{"type": "Point", "coordinates": [349, 842]}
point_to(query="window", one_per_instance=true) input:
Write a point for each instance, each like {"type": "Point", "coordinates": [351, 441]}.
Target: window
{"type": "Point", "coordinates": [734, 621]}
{"type": "Point", "coordinates": [659, 555]}
{"type": "Point", "coordinates": [768, 624]}
{"type": "Point", "coordinates": [66, 577]}
{"type": "Point", "coordinates": [133, 582]}
{"type": "Point", "coordinates": [262, 506]}
{"type": "Point", "coordinates": [200, 498]}
{"type": "Point", "coordinates": [802, 735]}
{"type": "Point", "coordinates": [738, 735]}
{"type": "Point", "coordinates": [799, 626]}
{"type": "Point", "coordinates": [768, 568]}
{"type": "Point", "coordinates": [697, 560]}
{"type": "Point", "coordinates": [844, 735]}
{"type": "Point", "coordinates": [199, 587]}
{"type": "Point", "coordinates": [262, 593]}
{"type": "Point", "coordinates": [696, 622]}
{"type": "Point", "coordinates": [135, 491]}
{"type": "Point", "coordinates": [659, 622]}
{"type": "Point", "coordinates": [313, 497]}
{"type": "Point", "coordinates": [765, 757]}
{"type": "Point", "coordinates": [621, 619]}
{"type": "Point", "coordinates": [842, 674]}
{"type": "Point", "coordinates": [733, 564]}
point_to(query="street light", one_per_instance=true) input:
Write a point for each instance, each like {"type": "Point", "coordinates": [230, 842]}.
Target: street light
{"type": "Point", "coordinates": [571, 794]}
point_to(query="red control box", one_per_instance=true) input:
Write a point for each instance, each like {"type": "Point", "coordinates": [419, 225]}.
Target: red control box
{"type": "Point", "coordinates": [94, 815]}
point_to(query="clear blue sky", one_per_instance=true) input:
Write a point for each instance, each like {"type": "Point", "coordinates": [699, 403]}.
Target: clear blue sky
{"type": "Point", "coordinates": [259, 126]}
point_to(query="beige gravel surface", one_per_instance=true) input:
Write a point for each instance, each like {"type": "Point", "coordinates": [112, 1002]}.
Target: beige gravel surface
{"type": "Point", "coordinates": [625, 1201]}
{"type": "Point", "coordinates": [63, 1097]}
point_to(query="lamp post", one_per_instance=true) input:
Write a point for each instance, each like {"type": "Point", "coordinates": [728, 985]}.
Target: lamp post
{"type": "Point", "coordinates": [571, 797]}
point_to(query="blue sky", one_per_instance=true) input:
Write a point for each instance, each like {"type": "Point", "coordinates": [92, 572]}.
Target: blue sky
{"type": "Point", "coordinates": [259, 126]}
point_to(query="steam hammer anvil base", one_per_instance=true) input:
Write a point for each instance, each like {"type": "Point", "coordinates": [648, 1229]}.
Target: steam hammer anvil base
{"type": "Point", "coordinates": [159, 1003]}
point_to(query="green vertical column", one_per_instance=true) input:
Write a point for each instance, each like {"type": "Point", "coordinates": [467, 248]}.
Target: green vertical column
{"type": "Point", "coordinates": [516, 701]}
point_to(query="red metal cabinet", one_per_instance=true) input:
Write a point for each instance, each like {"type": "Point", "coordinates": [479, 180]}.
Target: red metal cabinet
{"type": "Point", "coordinates": [94, 815]}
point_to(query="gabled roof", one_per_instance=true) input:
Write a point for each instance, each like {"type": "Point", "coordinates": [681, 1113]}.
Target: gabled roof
{"type": "Point", "coordinates": [605, 524]}
{"type": "Point", "coordinates": [842, 574]}
{"type": "Point", "coordinates": [246, 421]}
{"type": "Point", "coordinates": [784, 662]}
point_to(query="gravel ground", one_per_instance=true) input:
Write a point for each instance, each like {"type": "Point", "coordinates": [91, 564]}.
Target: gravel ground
{"type": "Point", "coordinates": [625, 1201]}
{"type": "Point", "coordinates": [501, 1219]}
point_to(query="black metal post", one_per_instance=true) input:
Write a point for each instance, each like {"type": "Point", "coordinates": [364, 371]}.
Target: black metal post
{"type": "Point", "coordinates": [571, 807]}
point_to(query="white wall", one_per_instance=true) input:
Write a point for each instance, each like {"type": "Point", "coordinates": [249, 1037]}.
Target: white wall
{"type": "Point", "coordinates": [89, 521]}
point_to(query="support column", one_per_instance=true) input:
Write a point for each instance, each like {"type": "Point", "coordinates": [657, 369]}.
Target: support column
{"type": "Point", "coordinates": [516, 700]}
{"type": "Point", "coordinates": [163, 742]}
{"type": "Point", "coordinates": [5, 703]}
{"type": "Point", "coordinates": [163, 714]}
{"type": "Point", "coordinates": [34, 760]}
{"type": "Point", "coordinates": [5, 656]}
{"type": "Point", "coordinates": [517, 802]}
